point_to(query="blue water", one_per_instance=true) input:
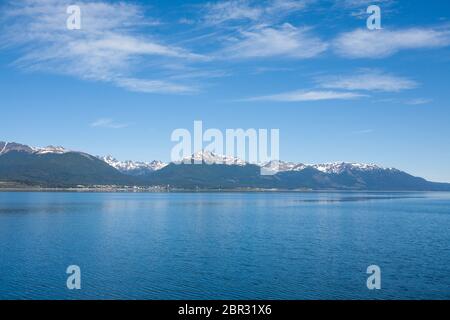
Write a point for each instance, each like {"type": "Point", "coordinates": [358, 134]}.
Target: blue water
{"type": "Point", "coordinates": [225, 245]}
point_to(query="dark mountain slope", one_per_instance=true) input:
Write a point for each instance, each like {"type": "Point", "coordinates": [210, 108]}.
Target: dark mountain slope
{"type": "Point", "coordinates": [58, 170]}
{"type": "Point", "coordinates": [230, 177]}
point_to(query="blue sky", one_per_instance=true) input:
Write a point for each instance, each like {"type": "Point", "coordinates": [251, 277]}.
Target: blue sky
{"type": "Point", "coordinates": [138, 70]}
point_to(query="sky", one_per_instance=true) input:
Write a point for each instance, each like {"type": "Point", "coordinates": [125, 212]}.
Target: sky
{"type": "Point", "coordinates": [138, 70]}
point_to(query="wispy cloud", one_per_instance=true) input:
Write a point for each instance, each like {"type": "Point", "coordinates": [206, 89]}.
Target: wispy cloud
{"type": "Point", "coordinates": [361, 132]}
{"type": "Point", "coordinates": [368, 80]}
{"type": "Point", "coordinates": [223, 11]}
{"type": "Point", "coordinates": [302, 96]}
{"type": "Point", "coordinates": [258, 29]}
{"type": "Point", "coordinates": [363, 43]}
{"type": "Point", "coordinates": [356, 4]}
{"type": "Point", "coordinates": [119, 45]}
{"type": "Point", "coordinates": [262, 70]}
{"type": "Point", "coordinates": [251, 10]}
{"type": "Point", "coordinates": [153, 86]}
{"type": "Point", "coordinates": [285, 41]}
{"type": "Point", "coordinates": [108, 123]}
{"type": "Point", "coordinates": [360, 3]}
{"type": "Point", "coordinates": [418, 101]}
{"type": "Point", "coordinates": [107, 48]}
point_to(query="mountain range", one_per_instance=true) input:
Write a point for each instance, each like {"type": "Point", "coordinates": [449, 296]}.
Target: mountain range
{"type": "Point", "coordinates": [58, 167]}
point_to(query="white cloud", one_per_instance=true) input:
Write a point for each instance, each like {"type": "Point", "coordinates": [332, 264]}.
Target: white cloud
{"type": "Point", "coordinates": [252, 10]}
{"type": "Point", "coordinates": [368, 80]}
{"type": "Point", "coordinates": [231, 10]}
{"type": "Point", "coordinates": [287, 6]}
{"type": "Point", "coordinates": [153, 86]}
{"type": "Point", "coordinates": [130, 45]}
{"type": "Point", "coordinates": [287, 41]}
{"type": "Point", "coordinates": [108, 123]}
{"type": "Point", "coordinates": [255, 29]}
{"type": "Point", "coordinates": [186, 21]}
{"type": "Point", "coordinates": [418, 101]}
{"type": "Point", "coordinates": [363, 43]}
{"type": "Point", "coordinates": [107, 48]}
{"type": "Point", "coordinates": [364, 131]}
{"type": "Point", "coordinates": [360, 3]}
{"type": "Point", "coordinates": [301, 96]}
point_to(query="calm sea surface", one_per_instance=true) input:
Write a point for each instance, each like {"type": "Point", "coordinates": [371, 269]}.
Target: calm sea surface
{"type": "Point", "coordinates": [225, 245]}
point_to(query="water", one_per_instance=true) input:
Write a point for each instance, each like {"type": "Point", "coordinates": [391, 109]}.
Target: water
{"type": "Point", "coordinates": [225, 246]}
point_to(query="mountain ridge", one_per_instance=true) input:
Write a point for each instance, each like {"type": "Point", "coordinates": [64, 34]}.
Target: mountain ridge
{"type": "Point", "coordinates": [57, 166]}
{"type": "Point", "coordinates": [213, 158]}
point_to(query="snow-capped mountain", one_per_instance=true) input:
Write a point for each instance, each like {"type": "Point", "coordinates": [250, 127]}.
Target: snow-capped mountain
{"type": "Point", "coordinates": [340, 167]}
{"type": "Point", "coordinates": [55, 167]}
{"type": "Point", "coordinates": [59, 167]}
{"type": "Point", "coordinates": [50, 149]}
{"type": "Point", "coordinates": [138, 168]}
{"type": "Point", "coordinates": [213, 158]}
{"type": "Point", "coordinates": [141, 168]}
{"type": "Point", "coordinates": [282, 166]}
{"type": "Point", "coordinates": [135, 168]}
{"type": "Point", "coordinates": [328, 168]}
{"type": "Point", "coordinates": [6, 147]}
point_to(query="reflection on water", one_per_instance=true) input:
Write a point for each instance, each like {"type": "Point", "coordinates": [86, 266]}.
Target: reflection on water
{"type": "Point", "coordinates": [225, 245]}
{"type": "Point", "coordinates": [326, 200]}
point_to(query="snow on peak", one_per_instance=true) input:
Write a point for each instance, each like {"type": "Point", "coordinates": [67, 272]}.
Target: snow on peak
{"type": "Point", "coordinates": [209, 157]}
{"type": "Point", "coordinates": [50, 149]}
{"type": "Point", "coordinates": [12, 146]}
{"type": "Point", "coordinates": [6, 147]}
{"type": "Point", "coordinates": [3, 146]}
{"type": "Point", "coordinates": [157, 165]}
{"type": "Point", "coordinates": [328, 168]}
{"type": "Point", "coordinates": [282, 166]}
{"type": "Point", "coordinates": [134, 167]}
{"type": "Point", "coordinates": [339, 167]}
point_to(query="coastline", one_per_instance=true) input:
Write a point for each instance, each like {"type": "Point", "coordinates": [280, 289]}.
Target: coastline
{"type": "Point", "coordinates": [178, 190]}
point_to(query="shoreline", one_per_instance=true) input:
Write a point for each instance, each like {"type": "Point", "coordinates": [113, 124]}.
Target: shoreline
{"type": "Point", "coordinates": [174, 190]}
